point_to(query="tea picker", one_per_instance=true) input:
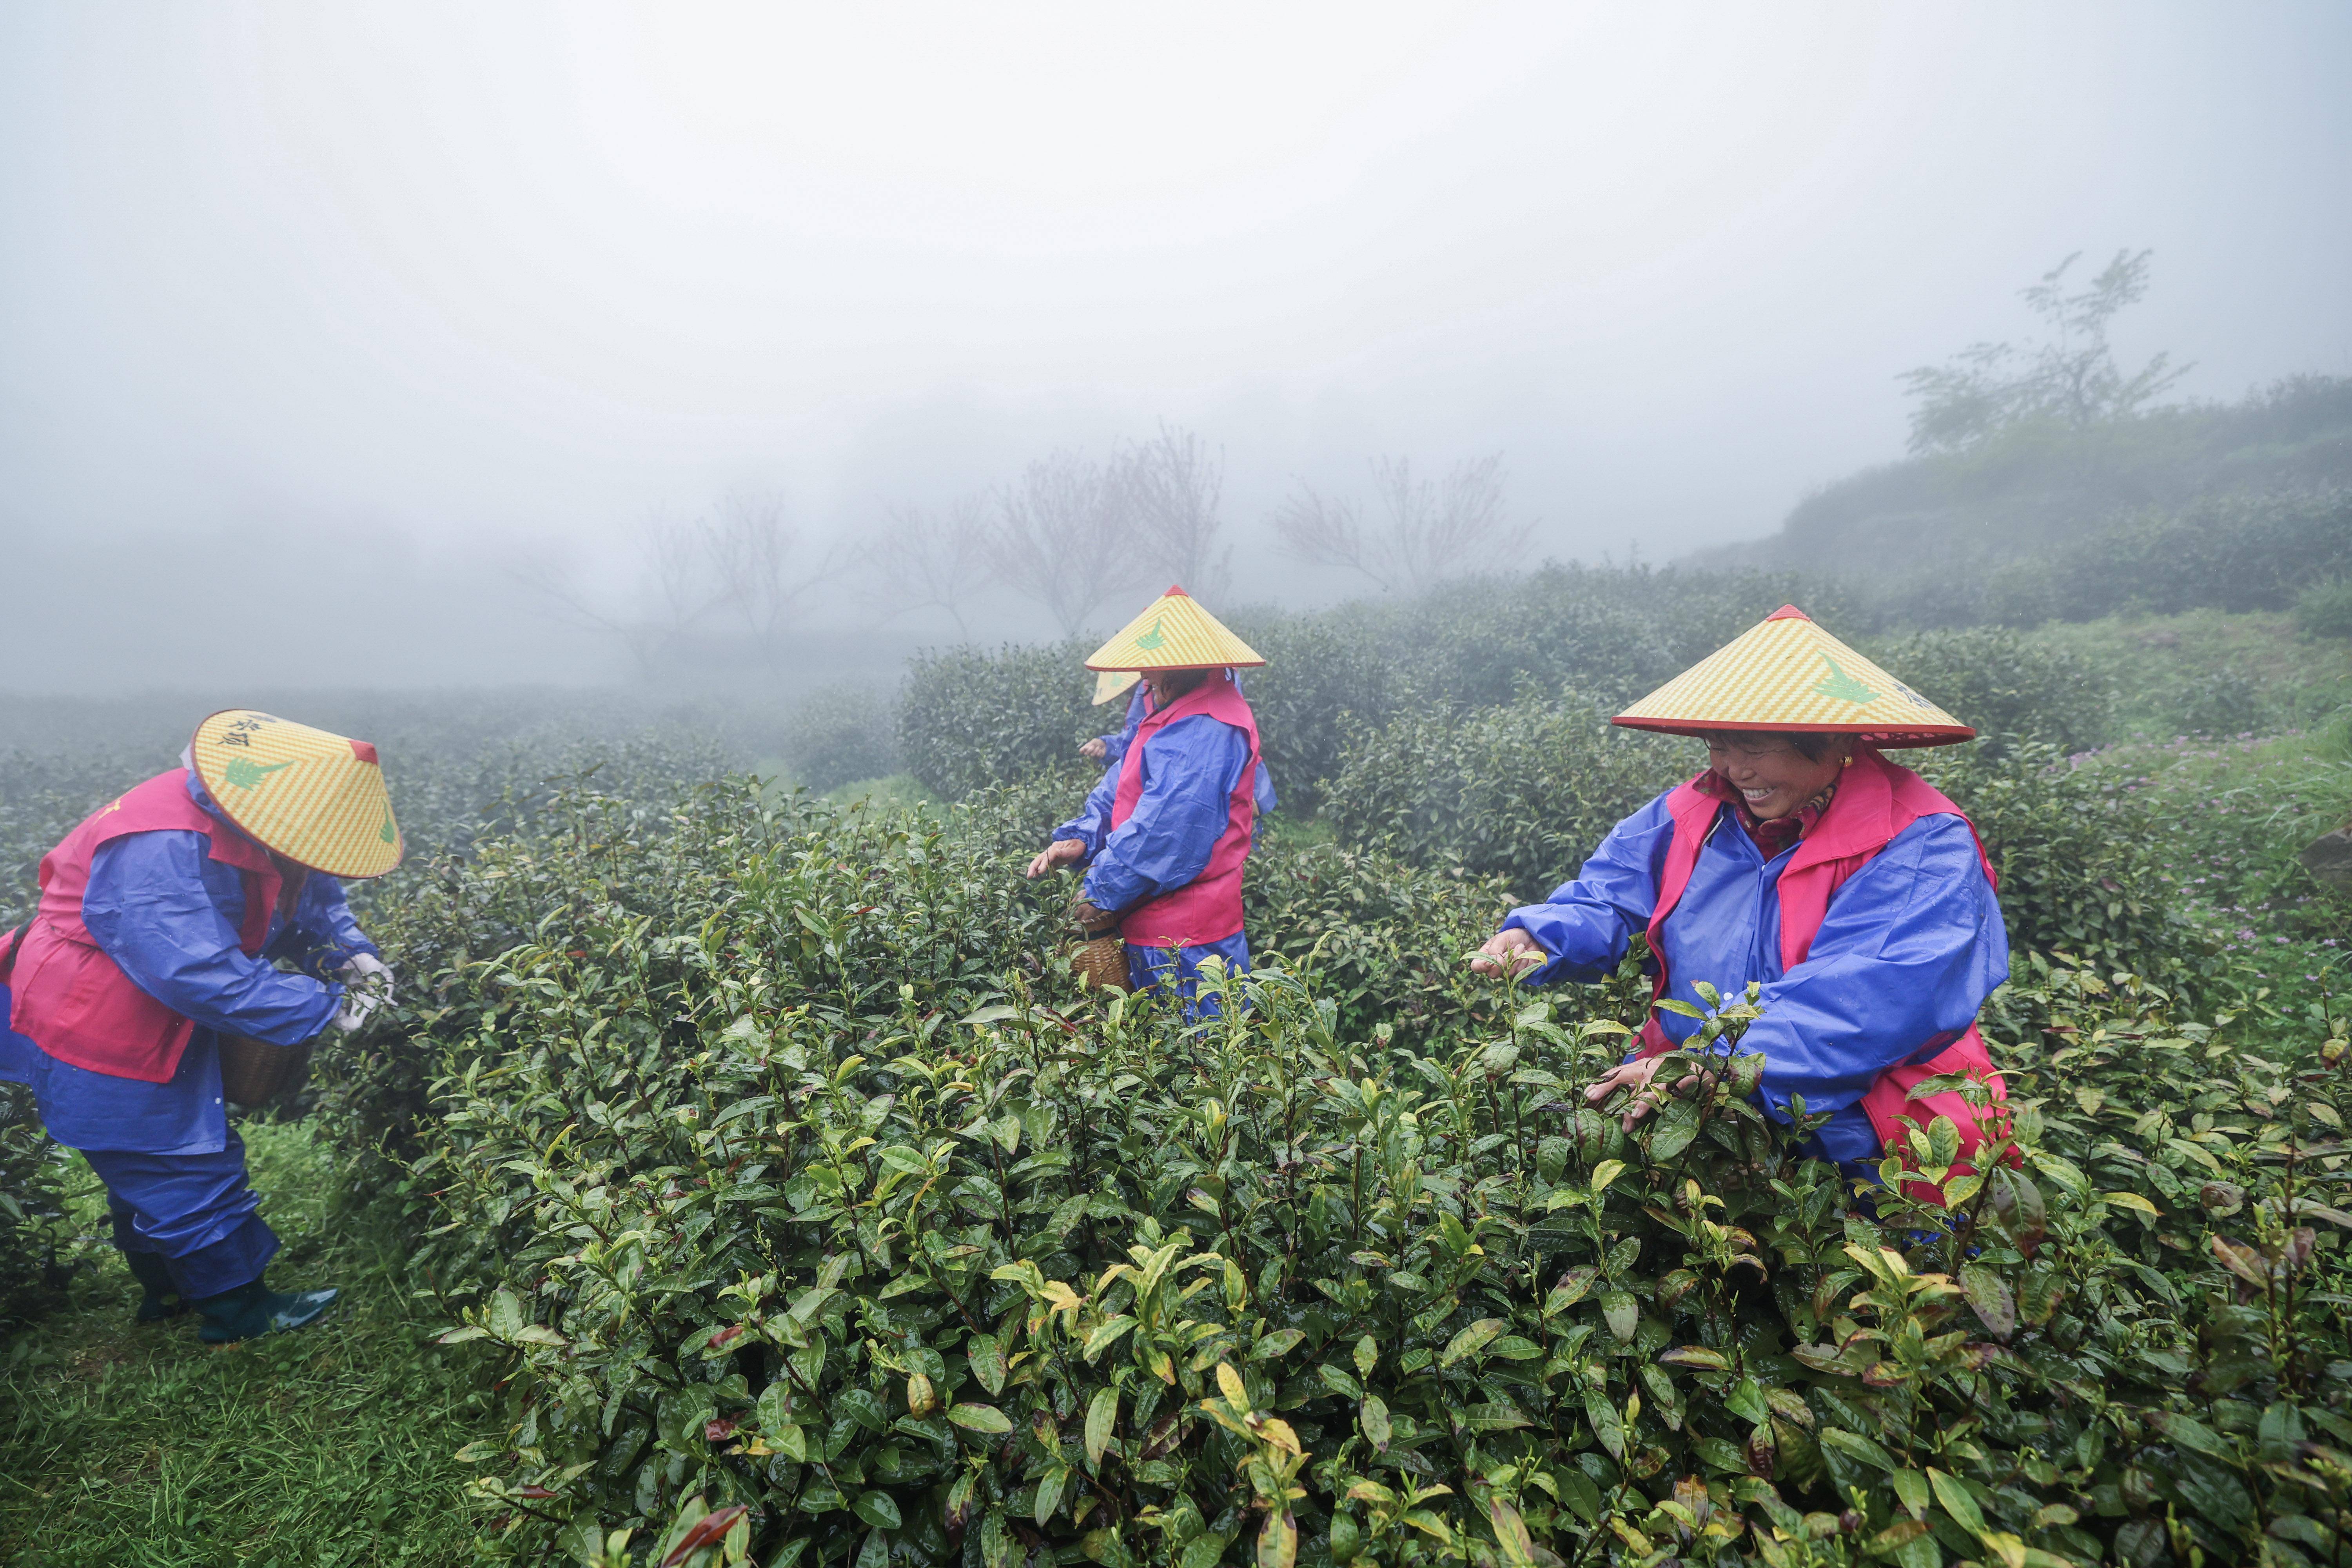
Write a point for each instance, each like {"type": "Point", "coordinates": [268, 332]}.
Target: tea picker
{"type": "Point", "coordinates": [1850, 889]}
{"type": "Point", "coordinates": [1165, 833]}
{"type": "Point", "coordinates": [152, 963]}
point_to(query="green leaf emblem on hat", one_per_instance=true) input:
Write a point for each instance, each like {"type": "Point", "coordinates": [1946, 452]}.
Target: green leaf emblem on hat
{"type": "Point", "coordinates": [1843, 686]}
{"type": "Point", "coordinates": [244, 773]}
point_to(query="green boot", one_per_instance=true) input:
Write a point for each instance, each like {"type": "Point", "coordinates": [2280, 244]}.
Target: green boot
{"type": "Point", "coordinates": [162, 1299]}
{"type": "Point", "coordinates": [251, 1311]}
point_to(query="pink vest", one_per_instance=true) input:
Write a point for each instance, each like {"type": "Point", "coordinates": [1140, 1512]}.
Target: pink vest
{"type": "Point", "coordinates": [1208, 907]}
{"type": "Point", "coordinates": [73, 999]}
{"type": "Point", "coordinates": [1876, 800]}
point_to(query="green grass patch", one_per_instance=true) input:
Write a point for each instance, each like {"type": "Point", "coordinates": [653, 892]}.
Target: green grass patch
{"type": "Point", "coordinates": [2208, 672]}
{"type": "Point", "coordinates": [136, 1444]}
{"type": "Point", "coordinates": [897, 789]}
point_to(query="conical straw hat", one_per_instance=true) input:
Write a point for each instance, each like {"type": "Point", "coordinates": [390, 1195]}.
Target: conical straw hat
{"type": "Point", "coordinates": [1174, 633]}
{"type": "Point", "coordinates": [317, 799]}
{"type": "Point", "coordinates": [1786, 673]}
{"type": "Point", "coordinates": [1110, 683]}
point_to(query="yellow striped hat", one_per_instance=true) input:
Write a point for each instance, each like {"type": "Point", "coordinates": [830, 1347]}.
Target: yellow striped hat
{"type": "Point", "coordinates": [1111, 682]}
{"type": "Point", "coordinates": [315, 798]}
{"type": "Point", "coordinates": [1174, 633]}
{"type": "Point", "coordinates": [1786, 673]}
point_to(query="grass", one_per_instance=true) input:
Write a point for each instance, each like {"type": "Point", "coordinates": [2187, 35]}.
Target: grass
{"type": "Point", "coordinates": [897, 789]}
{"type": "Point", "coordinates": [137, 1445]}
{"type": "Point", "coordinates": [2212, 672]}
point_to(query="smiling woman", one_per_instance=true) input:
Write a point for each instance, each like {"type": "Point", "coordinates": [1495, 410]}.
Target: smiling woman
{"type": "Point", "coordinates": [1852, 895]}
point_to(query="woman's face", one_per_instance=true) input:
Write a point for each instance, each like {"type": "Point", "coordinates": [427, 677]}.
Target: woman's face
{"type": "Point", "coordinates": [1773, 776]}
{"type": "Point", "coordinates": [1167, 685]}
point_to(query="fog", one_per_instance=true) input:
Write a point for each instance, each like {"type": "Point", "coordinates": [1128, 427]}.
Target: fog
{"type": "Point", "coordinates": [359, 346]}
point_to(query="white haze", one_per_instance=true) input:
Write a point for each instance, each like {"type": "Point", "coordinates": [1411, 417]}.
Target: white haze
{"type": "Point", "coordinates": [316, 321]}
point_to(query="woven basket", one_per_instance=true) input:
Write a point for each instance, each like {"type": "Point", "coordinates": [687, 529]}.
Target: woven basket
{"type": "Point", "coordinates": [253, 1073]}
{"type": "Point", "coordinates": [1102, 961]}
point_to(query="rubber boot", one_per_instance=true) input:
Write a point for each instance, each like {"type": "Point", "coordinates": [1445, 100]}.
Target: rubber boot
{"type": "Point", "coordinates": [254, 1310]}
{"type": "Point", "coordinates": [162, 1299]}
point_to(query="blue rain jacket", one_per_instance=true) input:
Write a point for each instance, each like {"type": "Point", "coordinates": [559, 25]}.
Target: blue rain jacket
{"type": "Point", "coordinates": [170, 914]}
{"type": "Point", "coordinates": [1911, 947]}
{"type": "Point", "coordinates": [1139, 708]}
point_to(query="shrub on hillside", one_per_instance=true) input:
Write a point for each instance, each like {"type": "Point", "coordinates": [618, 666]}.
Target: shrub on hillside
{"type": "Point", "coordinates": [2227, 553]}
{"type": "Point", "coordinates": [1384, 942]}
{"type": "Point", "coordinates": [2083, 862]}
{"type": "Point", "coordinates": [1481, 642]}
{"type": "Point", "coordinates": [1323, 674]}
{"type": "Point", "coordinates": [840, 734]}
{"type": "Point", "coordinates": [969, 717]}
{"type": "Point", "coordinates": [2324, 609]}
{"type": "Point", "coordinates": [2009, 688]}
{"type": "Point", "coordinates": [1522, 792]}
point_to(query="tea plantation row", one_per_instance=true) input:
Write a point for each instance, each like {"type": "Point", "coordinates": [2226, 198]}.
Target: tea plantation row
{"type": "Point", "coordinates": [822, 1219]}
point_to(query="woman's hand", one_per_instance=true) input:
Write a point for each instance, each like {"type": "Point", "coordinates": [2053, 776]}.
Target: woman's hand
{"type": "Point", "coordinates": [1513, 950]}
{"type": "Point", "coordinates": [1638, 1076]}
{"type": "Point", "coordinates": [1060, 852]}
{"type": "Point", "coordinates": [1095, 749]}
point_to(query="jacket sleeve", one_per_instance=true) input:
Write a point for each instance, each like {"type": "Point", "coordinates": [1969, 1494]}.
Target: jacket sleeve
{"type": "Point", "coordinates": [1190, 770]}
{"type": "Point", "coordinates": [1911, 947]}
{"type": "Point", "coordinates": [323, 935]}
{"type": "Point", "coordinates": [1587, 924]}
{"type": "Point", "coordinates": [1092, 824]}
{"type": "Point", "coordinates": [150, 910]}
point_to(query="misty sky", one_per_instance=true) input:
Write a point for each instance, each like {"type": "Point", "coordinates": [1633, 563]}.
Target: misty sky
{"type": "Point", "coordinates": [315, 320]}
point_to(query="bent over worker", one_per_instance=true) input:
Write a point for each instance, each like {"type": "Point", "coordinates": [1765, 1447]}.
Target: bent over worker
{"type": "Point", "coordinates": [1167, 831]}
{"type": "Point", "coordinates": [162, 922]}
{"type": "Point", "coordinates": [1854, 893]}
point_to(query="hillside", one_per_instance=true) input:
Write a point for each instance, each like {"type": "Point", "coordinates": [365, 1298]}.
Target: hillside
{"type": "Point", "coordinates": [1959, 537]}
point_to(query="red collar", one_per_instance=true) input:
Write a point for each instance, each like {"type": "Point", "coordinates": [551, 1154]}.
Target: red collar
{"type": "Point", "coordinates": [1776, 836]}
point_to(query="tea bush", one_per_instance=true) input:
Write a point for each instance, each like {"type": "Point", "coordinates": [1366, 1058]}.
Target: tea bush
{"type": "Point", "coordinates": [1522, 792]}
{"type": "Point", "coordinates": [811, 1240]}
{"type": "Point", "coordinates": [2083, 863]}
{"type": "Point", "coordinates": [36, 1234]}
{"type": "Point", "coordinates": [840, 734]}
{"type": "Point", "coordinates": [2008, 688]}
{"type": "Point", "coordinates": [969, 718]}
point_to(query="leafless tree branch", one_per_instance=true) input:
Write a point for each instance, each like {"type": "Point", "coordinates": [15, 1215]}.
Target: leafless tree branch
{"type": "Point", "coordinates": [1064, 536]}
{"type": "Point", "coordinates": [924, 560]}
{"type": "Point", "coordinates": [1175, 483]}
{"type": "Point", "coordinates": [1431, 529]}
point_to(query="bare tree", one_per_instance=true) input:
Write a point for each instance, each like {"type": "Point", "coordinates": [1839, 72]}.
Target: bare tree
{"type": "Point", "coordinates": [1173, 484]}
{"type": "Point", "coordinates": [924, 560]}
{"type": "Point", "coordinates": [1064, 537]}
{"type": "Point", "coordinates": [756, 561]}
{"type": "Point", "coordinates": [746, 559]}
{"type": "Point", "coordinates": [672, 593]}
{"type": "Point", "coordinates": [1431, 529]}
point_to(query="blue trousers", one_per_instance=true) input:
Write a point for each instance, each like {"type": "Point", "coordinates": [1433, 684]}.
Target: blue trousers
{"type": "Point", "coordinates": [1151, 968]}
{"type": "Point", "coordinates": [196, 1210]}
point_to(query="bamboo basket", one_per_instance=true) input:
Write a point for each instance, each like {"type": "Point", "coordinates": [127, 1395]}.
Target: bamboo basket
{"type": "Point", "coordinates": [1102, 961]}
{"type": "Point", "coordinates": [253, 1073]}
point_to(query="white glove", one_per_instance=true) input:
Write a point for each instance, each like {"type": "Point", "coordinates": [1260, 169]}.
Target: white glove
{"type": "Point", "coordinates": [367, 980]}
